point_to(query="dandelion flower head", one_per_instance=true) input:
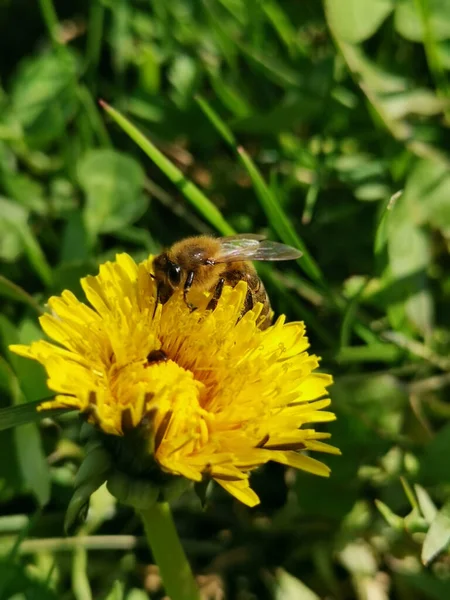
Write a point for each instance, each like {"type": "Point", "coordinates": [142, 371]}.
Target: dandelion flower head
{"type": "Point", "coordinates": [229, 398]}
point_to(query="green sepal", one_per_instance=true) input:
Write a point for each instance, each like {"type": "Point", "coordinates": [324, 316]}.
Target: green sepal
{"type": "Point", "coordinates": [173, 488]}
{"type": "Point", "coordinates": [96, 463]}
{"type": "Point", "coordinates": [202, 489]}
{"type": "Point", "coordinates": [134, 492]}
{"type": "Point", "coordinates": [79, 503]}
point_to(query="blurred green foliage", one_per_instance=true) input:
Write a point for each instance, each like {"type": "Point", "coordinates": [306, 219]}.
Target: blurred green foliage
{"type": "Point", "coordinates": [325, 125]}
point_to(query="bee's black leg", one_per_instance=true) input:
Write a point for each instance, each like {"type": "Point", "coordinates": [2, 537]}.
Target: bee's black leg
{"type": "Point", "coordinates": [187, 286]}
{"type": "Point", "coordinates": [158, 294]}
{"type": "Point", "coordinates": [248, 304]}
{"type": "Point", "coordinates": [216, 296]}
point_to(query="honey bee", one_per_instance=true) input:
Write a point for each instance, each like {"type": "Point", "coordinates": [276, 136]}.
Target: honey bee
{"type": "Point", "coordinates": [206, 263]}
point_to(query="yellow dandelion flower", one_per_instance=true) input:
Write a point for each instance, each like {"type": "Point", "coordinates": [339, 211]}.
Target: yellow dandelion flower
{"type": "Point", "coordinates": [227, 399]}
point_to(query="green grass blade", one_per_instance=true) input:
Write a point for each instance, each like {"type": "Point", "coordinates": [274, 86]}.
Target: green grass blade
{"type": "Point", "coordinates": [218, 123]}
{"type": "Point", "coordinates": [51, 21]}
{"type": "Point", "coordinates": [191, 192]}
{"type": "Point", "coordinates": [310, 202]}
{"type": "Point", "coordinates": [278, 218]}
{"type": "Point", "coordinates": [274, 212]}
{"type": "Point", "coordinates": [12, 290]}
{"type": "Point", "coordinates": [94, 38]}
{"type": "Point", "coordinates": [282, 24]}
{"type": "Point", "coordinates": [349, 316]}
{"type": "Point", "coordinates": [387, 353]}
{"type": "Point", "coordinates": [12, 416]}
{"type": "Point", "coordinates": [36, 256]}
{"type": "Point", "coordinates": [94, 116]}
{"type": "Point", "coordinates": [22, 535]}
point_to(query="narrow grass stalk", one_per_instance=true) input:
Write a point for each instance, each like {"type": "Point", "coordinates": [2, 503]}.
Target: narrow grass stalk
{"type": "Point", "coordinates": [94, 116]}
{"type": "Point", "coordinates": [162, 536]}
{"type": "Point", "coordinates": [94, 39]}
{"type": "Point", "coordinates": [279, 219]}
{"type": "Point", "coordinates": [11, 289]}
{"type": "Point", "coordinates": [190, 191]}
{"type": "Point", "coordinates": [379, 352]}
{"type": "Point", "coordinates": [80, 581]}
{"type": "Point", "coordinates": [20, 414]}
{"type": "Point", "coordinates": [276, 216]}
{"type": "Point", "coordinates": [51, 21]}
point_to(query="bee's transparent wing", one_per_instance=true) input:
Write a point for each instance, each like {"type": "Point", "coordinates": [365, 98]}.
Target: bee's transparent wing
{"type": "Point", "coordinates": [249, 247]}
{"type": "Point", "coordinates": [243, 236]}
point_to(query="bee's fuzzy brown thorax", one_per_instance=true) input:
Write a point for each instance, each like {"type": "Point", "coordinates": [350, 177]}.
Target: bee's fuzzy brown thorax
{"type": "Point", "coordinates": [197, 254]}
{"type": "Point", "coordinates": [194, 251]}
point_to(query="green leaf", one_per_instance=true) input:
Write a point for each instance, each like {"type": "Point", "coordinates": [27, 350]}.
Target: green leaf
{"type": "Point", "coordinates": [410, 23]}
{"type": "Point", "coordinates": [291, 588]}
{"type": "Point", "coordinates": [16, 237]}
{"type": "Point", "coordinates": [183, 75]}
{"type": "Point", "coordinates": [43, 95]}
{"type": "Point", "coordinates": [79, 503]}
{"type": "Point", "coordinates": [96, 462]}
{"type": "Point", "coordinates": [402, 247]}
{"type": "Point", "coordinates": [117, 591]}
{"type": "Point", "coordinates": [426, 504]}
{"type": "Point", "coordinates": [13, 219]}
{"type": "Point", "coordinates": [30, 373]}
{"type": "Point", "coordinates": [113, 183]}
{"type": "Point", "coordinates": [438, 536]}
{"type": "Point", "coordinates": [380, 398]}
{"type": "Point", "coordinates": [418, 101]}
{"type": "Point", "coordinates": [68, 275]}
{"type": "Point", "coordinates": [356, 21]}
{"type": "Point", "coordinates": [390, 517]}
{"type": "Point", "coordinates": [27, 192]}
{"type": "Point", "coordinates": [31, 460]}
{"type": "Point", "coordinates": [426, 584]}
{"type": "Point", "coordinates": [10, 477]}
{"type": "Point", "coordinates": [426, 195]}
{"type": "Point", "coordinates": [433, 469]}
{"type": "Point", "coordinates": [137, 594]}
{"type": "Point", "coordinates": [33, 465]}
{"type": "Point", "coordinates": [75, 244]}
{"type": "Point", "coordinates": [13, 416]}
{"type": "Point", "coordinates": [409, 257]}
{"type": "Point", "coordinates": [149, 69]}
{"type": "Point", "coordinates": [17, 583]}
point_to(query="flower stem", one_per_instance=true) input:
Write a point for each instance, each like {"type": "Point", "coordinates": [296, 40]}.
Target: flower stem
{"type": "Point", "coordinates": [162, 536]}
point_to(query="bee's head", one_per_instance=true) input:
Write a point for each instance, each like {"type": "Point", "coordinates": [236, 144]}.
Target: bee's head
{"type": "Point", "coordinates": [167, 271]}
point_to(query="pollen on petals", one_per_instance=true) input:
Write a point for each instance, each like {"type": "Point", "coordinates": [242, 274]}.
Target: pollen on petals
{"type": "Point", "coordinates": [224, 397]}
